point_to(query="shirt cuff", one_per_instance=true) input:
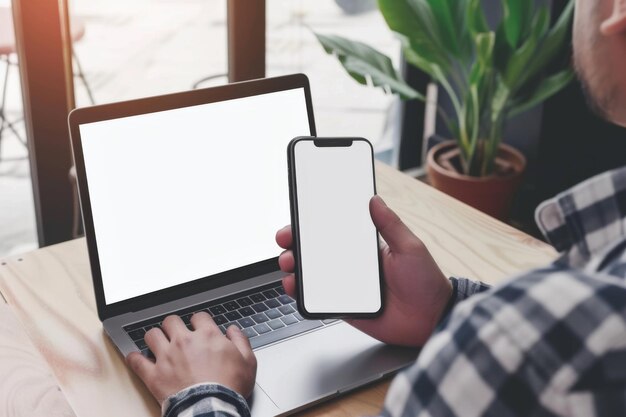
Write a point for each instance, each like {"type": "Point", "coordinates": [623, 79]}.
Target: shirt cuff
{"type": "Point", "coordinates": [462, 289]}
{"type": "Point", "coordinates": [204, 399]}
{"type": "Point", "coordinates": [465, 288]}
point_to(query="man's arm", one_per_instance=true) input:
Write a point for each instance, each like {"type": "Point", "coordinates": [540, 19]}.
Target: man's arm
{"type": "Point", "coordinates": [550, 342]}
{"type": "Point", "coordinates": [471, 367]}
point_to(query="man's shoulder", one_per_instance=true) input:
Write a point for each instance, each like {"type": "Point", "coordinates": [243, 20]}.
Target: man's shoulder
{"type": "Point", "coordinates": [526, 347]}
{"type": "Point", "coordinates": [563, 322]}
{"type": "Point", "coordinates": [552, 291]}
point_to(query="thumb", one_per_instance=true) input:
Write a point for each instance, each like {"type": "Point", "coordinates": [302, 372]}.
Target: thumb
{"type": "Point", "coordinates": [140, 365]}
{"type": "Point", "coordinates": [397, 235]}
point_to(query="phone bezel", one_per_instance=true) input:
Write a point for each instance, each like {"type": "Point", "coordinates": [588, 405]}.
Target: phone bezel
{"type": "Point", "coordinates": [295, 227]}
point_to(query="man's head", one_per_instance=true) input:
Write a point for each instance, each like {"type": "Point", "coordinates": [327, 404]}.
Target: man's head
{"type": "Point", "coordinates": [600, 55]}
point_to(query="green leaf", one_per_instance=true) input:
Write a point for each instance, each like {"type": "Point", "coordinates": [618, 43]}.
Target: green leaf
{"type": "Point", "coordinates": [464, 35]}
{"type": "Point", "coordinates": [476, 20]}
{"type": "Point", "coordinates": [541, 23]}
{"type": "Point", "coordinates": [447, 26]}
{"type": "Point", "coordinates": [499, 101]}
{"type": "Point", "coordinates": [476, 26]}
{"type": "Point", "coordinates": [512, 23]}
{"type": "Point", "coordinates": [482, 72]}
{"type": "Point", "coordinates": [518, 63]}
{"type": "Point", "coordinates": [475, 124]}
{"type": "Point", "coordinates": [554, 42]}
{"type": "Point", "coordinates": [517, 14]}
{"type": "Point", "coordinates": [546, 89]}
{"type": "Point", "coordinates": [503, 50]}
{"type": "Point", "coordinates": [517, 70]}
{"type": "Point", "coordinates": [485, 43]}
{"type": "Point", "coordinates": [401, 17]}
{"type": "Point", "coordinates": [415, 59]}
{"type": "Point", "coordinates": [364, 62]}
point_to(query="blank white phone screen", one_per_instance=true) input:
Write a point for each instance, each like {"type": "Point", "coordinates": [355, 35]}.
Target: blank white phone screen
{"type": "Point", "coordinates": [338, 240]}
{"type": "Point", "coordinates": [184, 194]}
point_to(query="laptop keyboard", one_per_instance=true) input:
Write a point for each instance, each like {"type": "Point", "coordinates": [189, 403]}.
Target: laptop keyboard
{"type": "Point", "coordinates": [264, 314]}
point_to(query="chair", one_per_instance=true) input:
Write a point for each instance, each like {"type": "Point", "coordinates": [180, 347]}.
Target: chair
{"type": "Point", "coordinates": [8, 50]}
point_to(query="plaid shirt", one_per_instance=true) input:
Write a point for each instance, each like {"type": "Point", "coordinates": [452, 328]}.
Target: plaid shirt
{"type": "Point", "coordinates": [551, 342]}
{"type": "Point", "coordinates": [206, 400]}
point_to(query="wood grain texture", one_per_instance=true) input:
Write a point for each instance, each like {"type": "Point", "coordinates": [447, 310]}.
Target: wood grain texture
{"type": "Point", "coordinates": [366, 401]}
{"type": "Point", "coordinates": [27, 386]}
{"type": "Point", "coordinates": [50, 291]}
{"type": "Point", "coordinates": [463, 240]}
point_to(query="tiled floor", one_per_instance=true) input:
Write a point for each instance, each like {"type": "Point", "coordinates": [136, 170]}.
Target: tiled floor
{"type": "Point", "coordinates": [149, 47]}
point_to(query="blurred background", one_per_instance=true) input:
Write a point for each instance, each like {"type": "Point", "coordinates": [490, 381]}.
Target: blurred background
{"type": "Point", "coordinates": [150, 47]}
{"type": "Point", "coordinates": [123, 50]}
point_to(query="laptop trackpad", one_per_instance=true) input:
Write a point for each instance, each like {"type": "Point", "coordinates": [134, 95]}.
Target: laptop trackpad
{"type": "Point", "coordinates": [322, 363]}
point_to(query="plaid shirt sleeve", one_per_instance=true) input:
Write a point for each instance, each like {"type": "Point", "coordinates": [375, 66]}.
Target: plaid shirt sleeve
{"type": "Point", "coordinates": [550, 343]}
{"type": "Point", "coordinates": [462, 289]}
{"type": "Point", "coordinates": [206, 400]}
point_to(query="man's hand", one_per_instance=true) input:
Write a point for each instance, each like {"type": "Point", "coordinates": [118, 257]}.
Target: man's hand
{"type": "Point", "coordinates": [416, 291]}
{"type": "Point", "coordinates": [185, 357]}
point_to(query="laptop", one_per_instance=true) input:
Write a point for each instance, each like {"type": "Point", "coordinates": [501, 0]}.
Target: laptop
{"type": "Point", "coordinates": [181, 197]}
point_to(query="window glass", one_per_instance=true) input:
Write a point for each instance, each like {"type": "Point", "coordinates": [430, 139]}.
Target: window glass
{"type": "Point", "coordinates": [17, 212]}
{"type": "Point", "coordinates": [130, 49]}
{"type": "Point", "coordinates": [140, 48]}
{"type": "Point", "coordinates": [342, 106]}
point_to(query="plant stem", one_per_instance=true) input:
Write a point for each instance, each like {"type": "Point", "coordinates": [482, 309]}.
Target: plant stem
{"type": "Point", "coordinates": [495, 137]}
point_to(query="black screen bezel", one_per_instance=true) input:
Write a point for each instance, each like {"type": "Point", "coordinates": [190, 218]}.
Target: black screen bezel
{"type": "Point", "coordinates": [295, 228]}
{"type": "Point", "coordinates": [156, 104]}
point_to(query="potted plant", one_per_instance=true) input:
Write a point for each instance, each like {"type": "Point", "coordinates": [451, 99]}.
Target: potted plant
{"type": "Point", "coordinates": [489, 76]}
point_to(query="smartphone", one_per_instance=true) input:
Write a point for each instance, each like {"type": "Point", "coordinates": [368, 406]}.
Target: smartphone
{"type": "Point", "coordinates": [336, 248]}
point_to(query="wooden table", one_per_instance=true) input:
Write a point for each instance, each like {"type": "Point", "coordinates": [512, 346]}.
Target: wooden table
{"type": "Point", "coordinates": [51, 338]}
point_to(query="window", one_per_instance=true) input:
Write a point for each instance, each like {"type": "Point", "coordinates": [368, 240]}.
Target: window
{"type": "Point", "coordinates": [148, 47]}
{"type": "Point", "coordinates": [342, 106]}
{"type": "Point", "coordinates": [124, 50]}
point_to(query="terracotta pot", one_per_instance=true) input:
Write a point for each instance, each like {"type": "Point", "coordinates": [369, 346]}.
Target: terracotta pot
{"type": "Point", "coordinates": [493, 194]}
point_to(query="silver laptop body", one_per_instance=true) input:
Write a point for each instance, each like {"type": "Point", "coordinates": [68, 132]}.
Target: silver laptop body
{"type": "Point", "coordinates": [181, 196]}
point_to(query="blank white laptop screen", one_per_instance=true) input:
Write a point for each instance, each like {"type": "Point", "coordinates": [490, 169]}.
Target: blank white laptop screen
{"type": "Point", "coordinates": [183, 194]}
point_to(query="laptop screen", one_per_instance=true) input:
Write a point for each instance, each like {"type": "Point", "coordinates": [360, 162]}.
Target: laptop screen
{"type": "Point", "coordinates": [183, 194]}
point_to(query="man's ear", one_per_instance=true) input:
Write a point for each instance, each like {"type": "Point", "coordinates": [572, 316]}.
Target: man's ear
{"type": "Point", "coordinates": [616, 23]}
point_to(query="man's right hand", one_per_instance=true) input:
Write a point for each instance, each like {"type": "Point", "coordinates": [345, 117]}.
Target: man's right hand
{"type": "Point", "coordinates": [416, 291]}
